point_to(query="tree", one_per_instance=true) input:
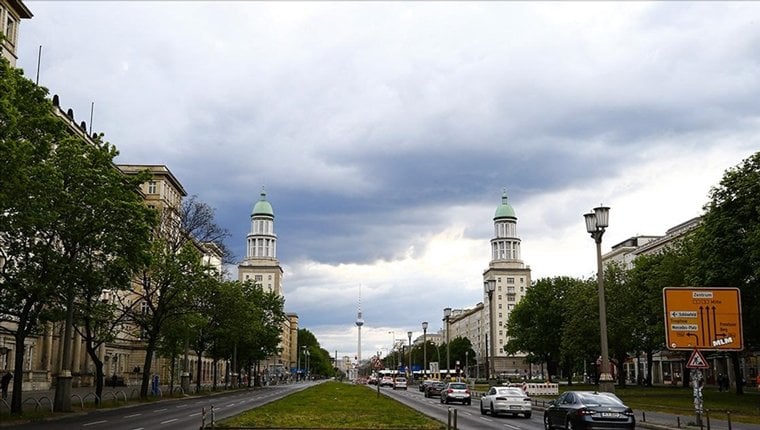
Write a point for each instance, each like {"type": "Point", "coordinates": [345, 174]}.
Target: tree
{"type": "Point", "coordinates": [68, 197]}
{"type": "Point", "coordinates": [727, 245]}
{"type": "Point", "coordinates": [28, 262]}
{"type": "Point", "coordinates": [580, 331]}
{"type": "Point", "coordinates": [535, 324]}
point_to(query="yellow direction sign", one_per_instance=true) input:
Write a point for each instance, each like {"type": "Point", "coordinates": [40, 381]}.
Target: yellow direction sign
{"type": "Point", "coordinates": [704, 318]}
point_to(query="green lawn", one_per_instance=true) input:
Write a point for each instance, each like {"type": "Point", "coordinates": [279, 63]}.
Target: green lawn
{"type": "Point", "coordinates": [335, 405]}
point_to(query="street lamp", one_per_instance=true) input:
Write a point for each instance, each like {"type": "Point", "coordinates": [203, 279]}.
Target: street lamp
{"type": "Point", "coordinates": [409, 364]}
{"type": "Point", "coordinates": [424, 347]}
{"type": "Point", "coordinates": [446, 315]}
{"type": "Point", "coordinates": [489, 286]}
{"type": "Point", "coordinates": [596, 223]}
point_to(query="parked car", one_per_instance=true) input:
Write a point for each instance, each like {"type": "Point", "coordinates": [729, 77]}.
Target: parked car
{"type": "Point", "coordinates": [372, 380]}
{"type": "Point", "coordinates": [399, 383]}
{"type": "Point", "coordinates": [434, 389]}
{"type": "Point", "coordinates": [588, 410]}
{"type": "Point", "coordinates": [387, 381]}
{"type": "Point", "coordinates": [506, 400]}
{"type": "Point", "coordinates": [456, 392]}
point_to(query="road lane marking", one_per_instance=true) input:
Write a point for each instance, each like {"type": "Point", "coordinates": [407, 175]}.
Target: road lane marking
{"type": "Point", "coordinates": [132, 416]}
{"type": "Point", "coordinates": [195, 414]}
{"type": "Point", "coordinates": [93, 423]}
{"type": "Point", "coordinates": [169, 421]}
{"type": "Point", "coordinates": [182, 406]}
{"type": "Point", "coordinates": [160, 410]}
{"type": "Point", "coordinates": [139, 428]}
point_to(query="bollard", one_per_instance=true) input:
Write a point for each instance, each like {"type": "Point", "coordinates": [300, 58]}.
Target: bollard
{"type": "Point", "coordinates": [643, 416]}
{"type": "Point", "coordinates": [455, 420]}
{"type": "Point", "coordinates": [678, 422]}
{"type": "Point", "coordinates": [213, 420]}
{"type": "Point", "coordinates": [203, 418]}
{"type": "Point", "coordinates": [728, 416]}
{"type": "Point", "coordinates": [707, 415]}
{"type": "Point", "coordinates": [448, 423]}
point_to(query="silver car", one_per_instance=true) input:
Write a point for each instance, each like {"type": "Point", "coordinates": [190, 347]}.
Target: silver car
{"type": "Point", "coordinates": [456, 392]}
{"type": "Point", "coordinates": [506, 400]}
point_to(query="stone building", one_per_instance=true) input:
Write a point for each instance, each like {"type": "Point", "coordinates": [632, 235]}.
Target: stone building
{"type": "Point", "coordinates": [11, 14]}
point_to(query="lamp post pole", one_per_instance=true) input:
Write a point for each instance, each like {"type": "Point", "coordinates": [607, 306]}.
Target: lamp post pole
{"type": "Point", "coordinates": [424, 348]}
{"type": "Point", "coordinates": [596, 223]}
{"type": "Point", "coordinates": [409, 364]}
{"type": "Point", "coordinates": [490, 286]}
{"type": "Point", "coordinates": [446, 315]}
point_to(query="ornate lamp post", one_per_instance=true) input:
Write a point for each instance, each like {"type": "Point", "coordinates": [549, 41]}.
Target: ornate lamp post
{"type": "Point", "coordinates": [424, 348]}
{"type": "Point", "coordinates": [490, 286]}
{"type": "Point", "coordinates": [409, 364]}
{"type": "Point", "coordinates": [446, 315]}
{"type": "Point", "coordinates": [596, 223]}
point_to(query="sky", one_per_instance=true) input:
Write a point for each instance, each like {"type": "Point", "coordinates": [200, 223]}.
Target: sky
{"type": "Point", "coordinates": [384, 133]}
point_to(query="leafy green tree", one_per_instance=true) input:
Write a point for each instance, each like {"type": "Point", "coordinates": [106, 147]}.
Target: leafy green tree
{"type": "Point", "coordinates": [623, 302]}
{"type": "Point", "coordinates": [29, 264]}
{"type": "Point", "coordinates": [535, 324]}
{"type": "Point", "coordinates": [580, 331]}
{"type": "Point", "coordinates": [727, 245]}
{"type": "Point", "coordinates": [85, 211]}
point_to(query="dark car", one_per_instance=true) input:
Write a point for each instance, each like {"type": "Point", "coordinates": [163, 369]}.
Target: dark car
{"type": "Point", "coordinates": [588, 410]}
{"type": "Point", "coordinates": [434, 389]}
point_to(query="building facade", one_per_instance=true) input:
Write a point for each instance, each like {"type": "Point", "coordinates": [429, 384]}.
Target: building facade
{"type": "Point", "coordinates": [11, 14]}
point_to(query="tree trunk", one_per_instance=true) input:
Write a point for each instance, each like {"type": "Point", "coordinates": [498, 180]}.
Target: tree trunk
{"type": "Point", "coordinates": [620, 372]}
{"type": "Point", "coordinates": [738, 377]}
{"type": "Point", "coordinates": [214, 373]}
{"type": "Point", "coordinates": [146, 369]}
{"type": "Point", "coordinates": [650, 360]}
{"type": "Point", "coordinates": [18, 373]}
{"type": "Point", "coordinates": [199, 371]}
{"type": "Point", "coordinates": [93, 354]}
{"type": "Point", "coordinates": [171, 377]}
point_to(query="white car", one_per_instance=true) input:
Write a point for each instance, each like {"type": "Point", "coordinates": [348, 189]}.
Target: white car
{"type": "Point", "coordinates": [399, 384]}
{"type": "Point", "coordinates": [506, 400]}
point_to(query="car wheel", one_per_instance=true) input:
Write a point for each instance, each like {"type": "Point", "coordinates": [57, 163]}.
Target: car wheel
{"type": "Point", "coordinates": [527, 415]}
{"type": "Point", "coordinates": [547, 422]}
{"type": "Point", "coordinates": [469, 402]}
{"type": "Point", "coordinates": [482, 409]}
{"type": "Point", "coordinates": [441, 399]}
{"type": "Point", "coordinates": [569, 424]}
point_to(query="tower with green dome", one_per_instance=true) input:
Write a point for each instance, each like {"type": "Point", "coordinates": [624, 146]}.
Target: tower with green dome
{"type": "Point", "coordinates": [512, 280]}
{"type": "Point", "coordinates": [260, 263]}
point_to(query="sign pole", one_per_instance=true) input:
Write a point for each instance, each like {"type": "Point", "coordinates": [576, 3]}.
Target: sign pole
{"type": "Point", "coordinates": [697, 382]}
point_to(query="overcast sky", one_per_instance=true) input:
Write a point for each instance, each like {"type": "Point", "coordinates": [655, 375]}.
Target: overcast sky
{"type": "Point", "coordinates": [384, 133]}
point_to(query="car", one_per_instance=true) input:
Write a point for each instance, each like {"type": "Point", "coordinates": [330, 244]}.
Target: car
{"type": "Point", "coordinates": [456, 392]}
{"type": "Point", "coordinates": [434, 389]}
{"type": "Point", "coordinates": [372, 380]}
{"type": "Point", "coordinates": [506, 400]}
{"type": "Point", "coordinates": [424, 384]}
{"type": "Point", "coordinates": [588, 410]}
{"type": "Point", "coordinates": [387, 381]}
{"type": "Point", "coordinates": [399, 384]}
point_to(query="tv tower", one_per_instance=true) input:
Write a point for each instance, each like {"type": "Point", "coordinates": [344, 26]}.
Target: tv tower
{"type": "Point", "coordinates": [359, 324]}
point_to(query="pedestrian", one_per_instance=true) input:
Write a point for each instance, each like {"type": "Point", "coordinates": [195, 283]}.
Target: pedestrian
{"type": "Point", "coordinates": [4, 382]}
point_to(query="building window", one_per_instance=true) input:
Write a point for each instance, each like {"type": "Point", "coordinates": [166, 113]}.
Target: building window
{"type": "Point", "coordinates": [510, 280]}
{"type": "Point", "coordinates": [270, 277]}
{"type": "Point", "coordinates": [258, 278]}
{"type": "Point", "coordinates": [152, 187]}
{"type": "Point", "coordinates": [247, 277]}
{"type": "Point", "coordinates": [499, 305]}
{"type": "Point", "coordinates": [511, 290]}
{"type": "Point", "coordinates": [498, 297]}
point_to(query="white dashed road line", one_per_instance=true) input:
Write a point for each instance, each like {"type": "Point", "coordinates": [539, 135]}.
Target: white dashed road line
{"type": "Point", "coordinates": [132, 416]}
{"type": "Point", "coordinates": [169, 421]}
{"type": "Point", "coordinates": [93, 423]}
{"type": "Point", "coordinates": [160, 410]}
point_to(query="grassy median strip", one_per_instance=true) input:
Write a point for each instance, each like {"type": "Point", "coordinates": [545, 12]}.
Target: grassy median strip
{"type": "Point", "coordinates": [335, 405]}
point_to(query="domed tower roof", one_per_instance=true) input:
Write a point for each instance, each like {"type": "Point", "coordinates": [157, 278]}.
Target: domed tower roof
{"type": "Point", "coordinates": [263, 207]}
{"type": "Point", "coordinates": [504, 210]}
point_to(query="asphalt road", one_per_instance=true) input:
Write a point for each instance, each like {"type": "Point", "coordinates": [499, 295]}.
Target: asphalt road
{"type": "Point", "coordinates": [170, 414]}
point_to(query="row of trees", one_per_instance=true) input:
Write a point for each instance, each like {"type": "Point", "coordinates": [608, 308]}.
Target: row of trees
{"type": "Point", "coordinates": [557, 321]}
{"type": "Point", "coordinates": [78, 245]}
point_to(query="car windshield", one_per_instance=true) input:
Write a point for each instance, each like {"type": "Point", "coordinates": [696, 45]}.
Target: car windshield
{"type": "Point", "coordinates": [458, 386]}
{"type": "Point", "coordinates": [591, 399]}
{"type": "Point", "coordinates": [509, 392]}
